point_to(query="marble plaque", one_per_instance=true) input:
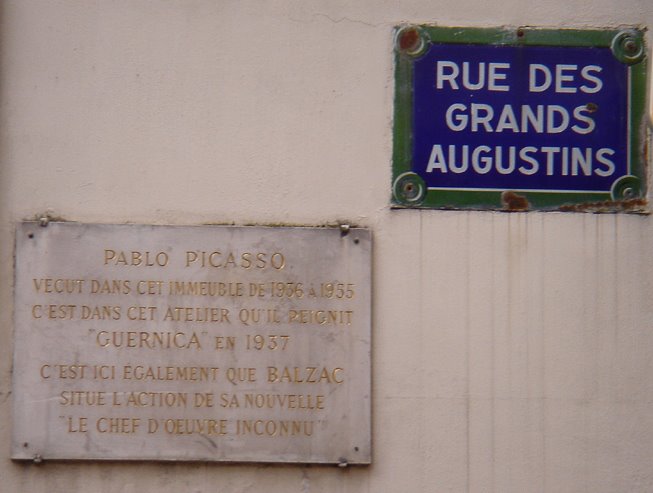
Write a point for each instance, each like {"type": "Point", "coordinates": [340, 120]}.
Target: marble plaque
{"type": "Point", "coordinates": [208, 343]}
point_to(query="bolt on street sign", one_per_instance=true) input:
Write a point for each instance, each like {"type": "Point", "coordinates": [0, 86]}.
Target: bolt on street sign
{"type": "Point", "coordinates": [519, 119]}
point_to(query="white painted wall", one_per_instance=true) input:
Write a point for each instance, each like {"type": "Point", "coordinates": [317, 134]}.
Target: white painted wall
{"type": "Point", "coordinates": [512, 352]}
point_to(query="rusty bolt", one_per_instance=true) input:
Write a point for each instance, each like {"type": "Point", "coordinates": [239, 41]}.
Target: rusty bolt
{"type": "Point", "coordinates": [630, 46]}
{"type": "Point", "coordinates": [628, 193]}
{"type": "Point", "coordinates": [409, 40]}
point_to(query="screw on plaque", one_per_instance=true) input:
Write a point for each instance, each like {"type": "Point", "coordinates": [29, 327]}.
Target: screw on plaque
{"type": "Point", "coordinates": [626, 188]}
{"type": "Point", "coordinates": [409, 189]}
{"type": "Point", "coordinates": [344, 229]}
{"type": "Point", "coordinates": [37, 459]}
{"type": "Point", "coordinates": [628, 46]}
{"type": "Point", "coordinates": [411, 40]}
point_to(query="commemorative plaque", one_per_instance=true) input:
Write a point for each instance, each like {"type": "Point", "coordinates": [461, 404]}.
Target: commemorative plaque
{"type": "Point", "coordinates": [209, 343]}
{"type": "Point", "coordinates": [520, 118]}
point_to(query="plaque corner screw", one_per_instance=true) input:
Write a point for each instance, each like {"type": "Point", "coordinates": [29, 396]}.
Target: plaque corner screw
{"type": "Point", "coordinates": [343, 463]}
{"type": "Point", "coordinates": [344, 229]}
{"type": "Point", "coordinates": [411, 40]}
{"type": "Point", "coordinates": [628, 46]}
{"type": "Point", "coordinates": [37, 459]}
{"type": "Point", "coordinates": [409, 189]}
{"type": "Point", "coordinates": [44, 221]}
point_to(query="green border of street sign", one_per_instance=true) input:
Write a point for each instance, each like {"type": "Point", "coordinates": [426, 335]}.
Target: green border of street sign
{"type": "Point", "coordinates": [409, 190]}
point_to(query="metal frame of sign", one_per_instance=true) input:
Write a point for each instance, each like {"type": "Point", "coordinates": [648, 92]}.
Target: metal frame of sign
{"type": "Point", "coordinates": [410, 190]}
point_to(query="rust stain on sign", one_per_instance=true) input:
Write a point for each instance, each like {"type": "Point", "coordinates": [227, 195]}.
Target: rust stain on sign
{"type": "Point", "coordinates": [514, 202]}
{"type": "Point", "coordinates": [630, 205]}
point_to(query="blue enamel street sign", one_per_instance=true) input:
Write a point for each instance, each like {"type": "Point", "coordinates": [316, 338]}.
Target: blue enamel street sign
{"type": "Point", "coordinates": [519, 119]}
